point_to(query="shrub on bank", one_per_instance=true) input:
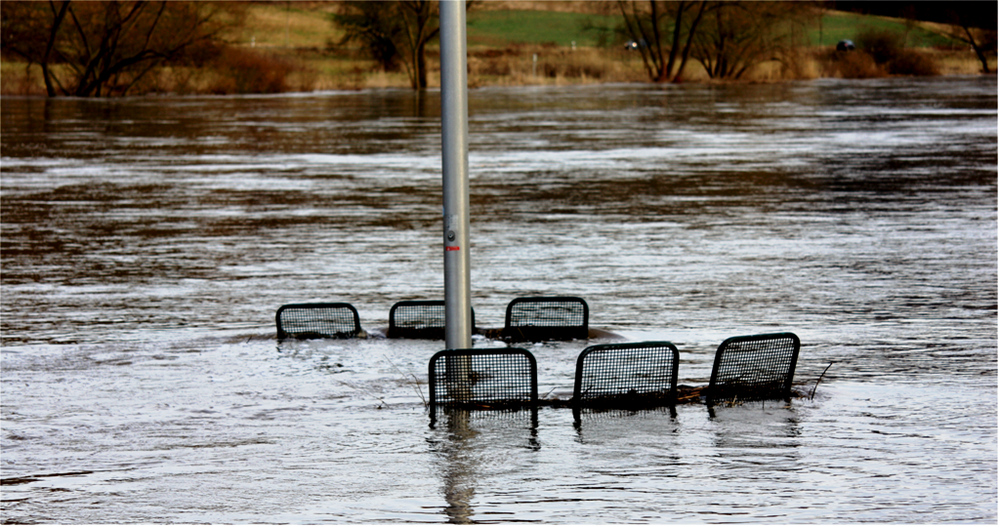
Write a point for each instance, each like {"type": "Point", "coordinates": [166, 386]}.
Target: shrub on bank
{"type": "Point", "coordinates": [880, 44]}
{"type": "Point", "coordinates": [879, 53]}
{"type": "Point", "coordinates": [888, 50]}
{"type": "Point", "coordinates": [20, 78]}
{"type": "Point", "coordinates": [242, 70]}
{"type": "Point", "coordinates": [850, 65]}
{"type": "Point", "coordinates": [913, 62]}
{"type": "Point", "coordinates": [550, 64]}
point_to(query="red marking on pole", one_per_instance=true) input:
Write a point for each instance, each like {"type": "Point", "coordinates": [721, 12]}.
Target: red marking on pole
{"type": "Point", "coordinates": [452, 248]}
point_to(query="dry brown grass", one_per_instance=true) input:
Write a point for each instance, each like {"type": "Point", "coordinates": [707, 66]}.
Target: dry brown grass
{"type": "Point", "coordinates": [925, 62]}
{"type": "Point", "coordinates": [512, 66]}
{"type": "Point", "coordinates": [17, 78]}
{"type": "Point", "coordinates": [509, 67]}
{"type": "Point", "coordinates": [283, 25]}
{"type": "Point", "coordinates": [960, 62]}
{"type": "Point", "coordinates": [546, 64]}
{"type": "Point", "coordinates": [596, 7]}
{"type": "Point", "coordinates": [848, 65]}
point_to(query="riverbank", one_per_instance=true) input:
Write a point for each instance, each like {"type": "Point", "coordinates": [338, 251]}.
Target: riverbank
{"type": "Point", "coordinates": [293, 47]}
{"type": "Point", "coordinates": [308, 70]}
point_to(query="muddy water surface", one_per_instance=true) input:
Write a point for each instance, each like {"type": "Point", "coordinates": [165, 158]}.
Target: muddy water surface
{"type": "Point", "coordinates": [147, 243]}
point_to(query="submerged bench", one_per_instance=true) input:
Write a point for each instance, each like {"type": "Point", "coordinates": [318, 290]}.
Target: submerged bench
{"type": "Point", "coordinates": [621, 376]}
{"type": "Point", "coordinates": [419, 319]}
{"type": "Point", "coordinates": [320, 320]}
{"type": "Point", "coordinates": [483, 379]}
{"type": "Point", "coordinates": [631, 375]}
{"type": "Point", "coordinates": [539, 318]}
{"type": "Point", "coordinates": [754, 367]}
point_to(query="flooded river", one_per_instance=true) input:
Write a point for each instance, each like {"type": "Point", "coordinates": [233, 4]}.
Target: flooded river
{"type": "Point", "coordinates": [148, 242]}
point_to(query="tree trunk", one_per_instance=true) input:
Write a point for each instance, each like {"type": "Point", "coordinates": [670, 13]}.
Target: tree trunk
{"type": "Point", "coordinates": [656, 46]}
{"type": "Point", "coordinates": [634, 27]}
{"type": "Point", "coordinates": [978, 49]}
{"type": "Point", "coordinates": [678, 24]}
{"type": "Point", "coordinates": [57, 21]}
{"type": "Point", "coordinates": [690, 38]}
{"type": "Point", "coordinates": [421, 67]}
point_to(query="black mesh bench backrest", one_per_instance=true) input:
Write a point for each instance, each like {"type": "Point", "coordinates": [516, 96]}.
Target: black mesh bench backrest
{"type": "Point", "coordinates": [419, 319]}
{"type": "Point", "coordinates": [324, 320]}
{"type": "Point", "coordinates": [533, 319]}
{"type": "Point", "coordinates": [504, 378]}
{"type": "Point", "coordinates": [754, 367]}
{"type": "Point", "coordinates": [627, 375]}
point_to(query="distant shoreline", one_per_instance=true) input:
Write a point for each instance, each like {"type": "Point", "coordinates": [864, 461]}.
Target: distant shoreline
{"type": "Point", "coordinates": [293, 47]}
{"type": "Point", "coordinates": [555, 68]}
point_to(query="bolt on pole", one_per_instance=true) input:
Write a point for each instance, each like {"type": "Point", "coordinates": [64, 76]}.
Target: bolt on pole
{"type": "Point", "coordinates": [455, 175]}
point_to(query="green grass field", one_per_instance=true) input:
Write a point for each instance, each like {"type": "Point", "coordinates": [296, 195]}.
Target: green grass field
{"type": "Point", "coordinates": [503, 28]}
{"type": "Point", "coordinates": [835, 26]}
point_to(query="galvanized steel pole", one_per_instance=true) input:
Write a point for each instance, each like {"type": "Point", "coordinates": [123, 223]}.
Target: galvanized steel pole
{"type": "Point", "coordinates": [455, 174]}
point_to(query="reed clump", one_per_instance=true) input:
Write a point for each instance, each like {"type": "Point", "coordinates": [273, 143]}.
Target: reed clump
{"type": "Point", "coordinates": [849, 65]}
{"type": "Point", "coordinates": [521, 64]}
{"type": "Point", "coordinates": [880, 53]}
{"type": "Point", "coordinates": [242, 70]}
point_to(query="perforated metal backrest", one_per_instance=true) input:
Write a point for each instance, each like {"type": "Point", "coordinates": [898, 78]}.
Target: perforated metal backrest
{"type": "Point", "coordinates": [503, 378]}
{"type": "Point", "coordinates": [754, 367]}
{"type": "Point", "coordinates": [419, 319]}
{"type": "Point", "coordinates": [631, 374]}
{"type": "Point", "coordinates": [533, 319]}
{"type": "Point", "coordinates": [319, 320]}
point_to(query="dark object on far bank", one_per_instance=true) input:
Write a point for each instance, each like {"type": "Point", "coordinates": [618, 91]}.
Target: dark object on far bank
{"type": "Point", "coordinates": [845, 45]}
{"type": "Point", "coordinates": [633, 45]}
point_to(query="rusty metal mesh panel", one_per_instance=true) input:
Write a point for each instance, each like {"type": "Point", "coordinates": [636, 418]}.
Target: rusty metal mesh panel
{"type": "Point", "coordinates": [419, 319]}
{"type": "Point", "coordinates": [754, 367]}
{"type": "Point", "coordinates": [483, 379]}
{"type": "Point", "coordinates": [318, 320]}
{"type": "Point", "coordinates": [627, 375]}
{"type": "Point", "coordinates": [532, 319]}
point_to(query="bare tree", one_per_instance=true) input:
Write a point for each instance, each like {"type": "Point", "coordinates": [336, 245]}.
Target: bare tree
{"type": "Point", "coordinates": [976, 33]}
{"type": "Point", "coordinates": [422, 24]}
{"type": "Point", "coordinates": [104, 48]}
{"type": "Point", "coordinates": [739, 35]}
{"type": "Point", "coordinates": [664, 57]}
{"type": "Point", "coordinates": [375, 26]}
{"type": "Point", "coordinates": [392, 32]}
{"type": "Point", "coordinates": [29, 31]}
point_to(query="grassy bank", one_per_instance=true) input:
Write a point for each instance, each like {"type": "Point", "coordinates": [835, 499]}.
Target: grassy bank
{"type": "Point", "coordinates": [292, 46]}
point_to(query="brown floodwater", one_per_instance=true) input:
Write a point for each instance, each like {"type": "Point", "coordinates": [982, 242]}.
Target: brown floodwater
{"type": "Point", "coordinates": [147, 243]}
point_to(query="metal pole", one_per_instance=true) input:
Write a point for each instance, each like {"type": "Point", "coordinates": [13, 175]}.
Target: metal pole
{"type": "Point", "coordinates": [455, 174]}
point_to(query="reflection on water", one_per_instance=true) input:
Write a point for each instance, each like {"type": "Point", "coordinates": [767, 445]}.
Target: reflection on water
{"type": "Point", "coordinates": [147, 242]}
{"type": "Point", "coordinates": [458, 469]}
{"type": "Point", "coordinates": [605, 420]}
{"type": "Point", "coordinates": [474, 443]}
